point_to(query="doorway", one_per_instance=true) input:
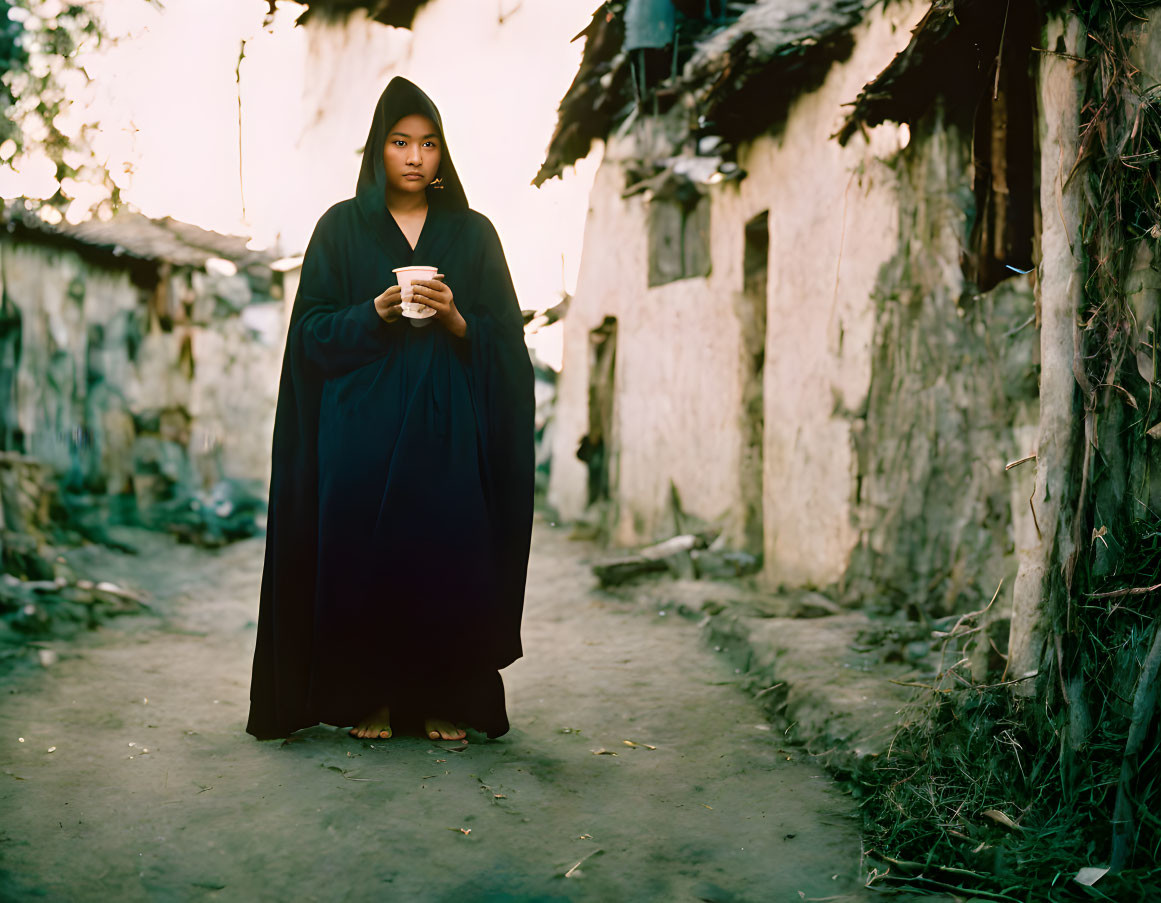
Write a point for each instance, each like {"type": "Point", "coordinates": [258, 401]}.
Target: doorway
{"type": "Point", "coordinates": [595, 446]}
{"type": "Point", "coordinates": [755, 278]}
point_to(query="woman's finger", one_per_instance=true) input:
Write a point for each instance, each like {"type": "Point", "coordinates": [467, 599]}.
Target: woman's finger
{"type": "Point", "coordinates": [434, 294]}
{"type": "Point", "coordinates": [431, 284]}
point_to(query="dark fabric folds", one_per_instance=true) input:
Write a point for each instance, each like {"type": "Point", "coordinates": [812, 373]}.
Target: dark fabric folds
{"type": "Point", "coordinates": [402, 470]}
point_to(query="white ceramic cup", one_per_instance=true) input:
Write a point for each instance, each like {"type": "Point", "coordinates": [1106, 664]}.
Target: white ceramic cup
{"type": "Point", "coordinates": [416, 311]}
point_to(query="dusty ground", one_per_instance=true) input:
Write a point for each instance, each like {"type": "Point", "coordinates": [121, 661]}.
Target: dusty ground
{"type": "Point", "coordinates": [153, 791]}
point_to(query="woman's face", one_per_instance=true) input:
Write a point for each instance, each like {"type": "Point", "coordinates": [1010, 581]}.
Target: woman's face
{"type": "Point", "coordinates": [411, 154]}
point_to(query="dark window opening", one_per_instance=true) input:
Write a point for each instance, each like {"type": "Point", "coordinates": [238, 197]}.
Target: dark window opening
{"type": "Point", "coordinates": [1004, 160]}
{"type": "Point", "coordinates": [756, 257]}
{"type": "Point", "coordinates": [679, 234]}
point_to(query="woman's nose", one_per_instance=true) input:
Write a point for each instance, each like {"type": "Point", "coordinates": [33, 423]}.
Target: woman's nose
{"type": "Point", "coordinates": [413, 155]}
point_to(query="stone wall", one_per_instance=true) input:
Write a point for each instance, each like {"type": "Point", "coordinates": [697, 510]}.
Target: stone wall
{"type": "Point", "coordinates": [132, 392]}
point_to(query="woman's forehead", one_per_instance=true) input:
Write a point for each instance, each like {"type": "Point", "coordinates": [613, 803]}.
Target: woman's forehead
{"type": "Point", "coordinates": [415, 124]}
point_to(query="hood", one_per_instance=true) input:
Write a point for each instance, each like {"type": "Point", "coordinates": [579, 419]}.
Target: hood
{"type": "Point", "coordinates": [402, 98]}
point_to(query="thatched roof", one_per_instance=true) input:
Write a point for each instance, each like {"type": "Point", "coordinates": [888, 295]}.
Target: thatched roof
{"type": "Point", "coordinates": [742, 74]}
{"type": "Point", "coordinates": [745, 76]}
{"type": "Point", "coordinates": [951, 54]}
{"type": "Point", "coordinates": [133, 236]}
{"type": "Point", "coordinates": [595, 100]}
{"type": "Point", "coordinates": [397, 13]}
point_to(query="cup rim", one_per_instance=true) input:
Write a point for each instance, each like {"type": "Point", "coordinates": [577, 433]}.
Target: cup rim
{"type": "Point", "coordinates": [414, 267]}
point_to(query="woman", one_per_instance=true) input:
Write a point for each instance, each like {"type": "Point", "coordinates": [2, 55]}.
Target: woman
{"type": "Point", "coordinates": [402, 474]}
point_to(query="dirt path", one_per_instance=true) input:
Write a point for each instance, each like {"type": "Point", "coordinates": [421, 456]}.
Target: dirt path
{"type": "Point", "coordinates": [155, 792]}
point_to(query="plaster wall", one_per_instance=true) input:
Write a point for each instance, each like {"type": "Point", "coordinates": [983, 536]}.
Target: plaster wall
{"type": "Point", "coordinates": [834, 223]}
{"type": "Point", "coordinates": [680, 359]}
{"type": "Point", "coordinates": [677, 380]}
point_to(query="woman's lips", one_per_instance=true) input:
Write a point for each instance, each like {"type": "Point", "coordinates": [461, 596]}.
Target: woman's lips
{"type": "Point", "coordinates": [413, 176]}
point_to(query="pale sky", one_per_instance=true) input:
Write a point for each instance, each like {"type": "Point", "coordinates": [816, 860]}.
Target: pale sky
{"type": "Point", "coordinates": [165, 94]}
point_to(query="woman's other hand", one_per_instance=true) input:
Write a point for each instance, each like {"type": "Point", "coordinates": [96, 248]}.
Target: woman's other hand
{"type": "Point", "coordinates": [436, 295]}
{"type": "Point", "coordinates": [389, 304]}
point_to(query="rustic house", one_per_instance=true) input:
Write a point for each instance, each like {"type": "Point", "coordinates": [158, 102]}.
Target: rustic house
{"type": "Point", "coordinates": [807, 307]}
{"type": "Point", "coordinates": [141, 356]}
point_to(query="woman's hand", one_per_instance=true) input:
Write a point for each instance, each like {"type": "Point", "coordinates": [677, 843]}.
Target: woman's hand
{"type": "Point", "coordinates": [439, 298]}
{"type": "Point", "coordinates": [389, 304]}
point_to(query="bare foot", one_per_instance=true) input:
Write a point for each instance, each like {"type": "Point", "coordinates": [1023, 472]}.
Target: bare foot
{"type": "Point", "coordinates": [439, 729]}
{"type": "Point", "coordinates": [376, 726]}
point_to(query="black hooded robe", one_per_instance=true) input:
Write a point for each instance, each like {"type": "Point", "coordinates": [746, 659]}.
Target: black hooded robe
{"type": "Point", "coordinates": [401, 484]}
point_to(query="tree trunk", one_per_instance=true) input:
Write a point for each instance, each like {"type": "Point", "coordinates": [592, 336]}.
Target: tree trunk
{"type": "Point", "coordinates": [1045, 569]}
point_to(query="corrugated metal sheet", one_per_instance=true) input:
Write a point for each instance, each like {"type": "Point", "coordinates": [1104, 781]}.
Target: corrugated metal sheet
{"type": "Point", "coordinates": [649, 24]}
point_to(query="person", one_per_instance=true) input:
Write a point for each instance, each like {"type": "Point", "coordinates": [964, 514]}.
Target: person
{"type": "Point", "coordinates": [402, 470]}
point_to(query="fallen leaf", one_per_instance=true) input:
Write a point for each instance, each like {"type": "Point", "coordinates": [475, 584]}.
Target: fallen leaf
{"type": "Point", "coordinates": [464, 831]}
{"type": "Point", "coordinates": [997, 816]}
{"type": "Point", "coordinates": [1090, 875]}
{"type": "Point", "coordinates": [603, 752]}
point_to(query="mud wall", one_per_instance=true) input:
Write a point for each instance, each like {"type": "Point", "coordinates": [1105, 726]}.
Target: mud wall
{"type": "Point", "coordinates": [892, 393]}
{"type": "Point", "coordinates": [685, 376]}
{"type": "Point", "coordinates": [677, 382]}
{"type": "Point", "coordinates": [129, 391]}
{"type": "Point", "coordinates": [952, 400]}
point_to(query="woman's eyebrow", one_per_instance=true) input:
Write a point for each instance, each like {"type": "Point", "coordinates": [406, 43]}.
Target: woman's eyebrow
{"type": "Point", "coordinates": [405, 135]}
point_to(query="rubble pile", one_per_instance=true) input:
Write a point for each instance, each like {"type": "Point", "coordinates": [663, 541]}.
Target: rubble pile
{"type": "Point", "coordinates": [687, 556]}
{"type": "Point", "coordinates": [40, 597]}
{"type": "Point", "coordinates": [229, 511]}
